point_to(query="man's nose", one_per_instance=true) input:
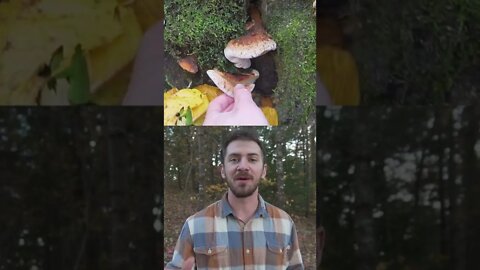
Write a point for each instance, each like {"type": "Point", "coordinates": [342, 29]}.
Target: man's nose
{"type": "Point", "coordinates": [243, 165]}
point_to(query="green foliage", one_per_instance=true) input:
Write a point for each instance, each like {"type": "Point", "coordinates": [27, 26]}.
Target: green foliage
{"type": "Point", "coordinates": [77, 75]}
{"type": "Point", "coordinates": [292, 26]}
{"type": "Point", "coordinates": [416, 52]}
{"type": "Point", "coordinates": [215, 191]}
{"type": "Point", "coordinates": [203, 27]}
{"type": "Point", "coordinates": [268, 189]}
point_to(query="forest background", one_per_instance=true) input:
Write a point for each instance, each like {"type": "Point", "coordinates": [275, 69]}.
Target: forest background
{"type": "Point", "coordinates": [193, 181]}
{"type": "Point", "coordinates": [81, 188]}
{"type": "Point", "coordinates": [398, 187]}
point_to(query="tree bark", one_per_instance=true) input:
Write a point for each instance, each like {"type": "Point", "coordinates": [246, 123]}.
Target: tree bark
{"type": "Point", "coordinates": [311, 161]}
{"type": "Point", "coordinates": [201, 165]}
{"type": "Point", "coordinates": [453, 227]}
{"type": "Point", "coordinates": [117, 165]}
{"type": "Point", "coordinates": [364, 193]}
{"type": "Point", "coordinates": [443, 121]}
{"type": "Point", "coordinates": [472, 186]}
{"type": "Point", "coordinates": [279, 170]}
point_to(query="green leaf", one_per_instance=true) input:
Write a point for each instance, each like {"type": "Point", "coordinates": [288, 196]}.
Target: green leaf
{"type": "Point", "coordinates": [56, 59]}
{"type": "Point", "coordinates": [76, 75]}
{"type": "Point", "coordinates": [79, 92]}
{"type": "Point", "coordinates": [189, 117]}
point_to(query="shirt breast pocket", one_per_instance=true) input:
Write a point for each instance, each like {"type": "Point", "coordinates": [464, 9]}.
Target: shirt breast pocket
{"type": "Point", "coordinates": [277, 254]}
{"type": "Point", "coordinates": [211, 257]}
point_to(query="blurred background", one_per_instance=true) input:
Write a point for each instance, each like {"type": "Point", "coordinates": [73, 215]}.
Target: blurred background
{"type": "Point", "coordinates": [38, 41]}
{"type": "Point", "coordinates": [398, 187]}
{"type": "Point", "coordinates": [193, 181]}
{"type": "Point", "coordinates": [81, 188]}
{"type": "Point", "coordinates": [410, 52]}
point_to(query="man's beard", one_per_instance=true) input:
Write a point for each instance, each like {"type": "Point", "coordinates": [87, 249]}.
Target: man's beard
{"type": "Point", "coordinates": [242, 191]}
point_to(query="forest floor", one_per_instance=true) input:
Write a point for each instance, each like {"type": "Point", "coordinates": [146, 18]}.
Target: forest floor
{"type": "Point", "coordinates": [179, 205]}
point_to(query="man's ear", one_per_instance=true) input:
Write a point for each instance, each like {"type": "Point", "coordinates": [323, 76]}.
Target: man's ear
{"type": "Point", "coordinates": [222, 171]}
{"type": "Point", "coordinates": [264, 173]}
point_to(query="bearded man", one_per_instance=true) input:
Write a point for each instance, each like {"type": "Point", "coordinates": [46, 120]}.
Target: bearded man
{"type": "Point", "coordinates": [241, 231]}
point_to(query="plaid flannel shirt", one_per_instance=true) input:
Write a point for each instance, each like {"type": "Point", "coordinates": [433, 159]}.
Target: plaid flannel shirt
{"type": "Point", "coordinates": [217, 240]}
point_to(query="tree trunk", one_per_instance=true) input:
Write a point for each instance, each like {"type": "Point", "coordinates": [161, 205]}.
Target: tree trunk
{"type": "Point", "coordinates": [311, 161]}
{"type": "Point", "coordinates": [453, 227]}
{"type": "Point", "coordinates": [117, 169]}
{"type": "Point", "coordinates": [472, 187]}
{"type": "Point", "coordinates": [443, 121]}
{"type": "Point", "coordinates": [201, 165]}
{"type": "Point", "coordinates": [280, 172]}
{"type": "Point", "coordinates": [364, 193]}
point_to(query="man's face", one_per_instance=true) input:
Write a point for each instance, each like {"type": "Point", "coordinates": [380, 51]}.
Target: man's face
{"type": "Point", "coordinates": [243, 167]}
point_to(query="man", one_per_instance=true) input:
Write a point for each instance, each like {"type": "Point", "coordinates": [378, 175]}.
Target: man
{"type": "Point", "coordinates": [241, 231]}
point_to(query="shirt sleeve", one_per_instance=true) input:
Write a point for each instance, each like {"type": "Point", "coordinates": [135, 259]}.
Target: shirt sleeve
{"type": "Point", "coordinates": [295, 261]}
{"type": "Point", "coordinates": [183, 249]}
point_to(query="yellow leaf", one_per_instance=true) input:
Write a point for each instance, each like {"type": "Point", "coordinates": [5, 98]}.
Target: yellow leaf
{"type": "Point", "coordinates": [266, 102]}
{"type": "Point", "coordinates": [200, 120]}
{"type": "Point", "coordinates": [338, 71]}
{"type": "Point", "coordinates": [271, 115]}
{"type": "Point", "coordinates": [169, 93]}
{"type": "Point", "coordinates": [211, 91]}
{"type": "Point", "coordinates": [184, 99]}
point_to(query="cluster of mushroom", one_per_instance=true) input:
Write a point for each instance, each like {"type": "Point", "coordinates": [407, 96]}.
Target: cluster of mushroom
{"type": "Point", "coordinates": [239, 51]}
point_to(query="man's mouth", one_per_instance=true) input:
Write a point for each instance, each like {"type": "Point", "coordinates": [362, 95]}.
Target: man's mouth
{"type": "Point", "coordinates": [242, 178]}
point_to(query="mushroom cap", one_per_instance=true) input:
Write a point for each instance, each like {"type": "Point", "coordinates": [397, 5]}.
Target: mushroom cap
{"type": "Point", "coordinates": [227, 81]}
{"type": "Point", "coordinates": [256, 43]}
{"type": "Point", "coordinates": [189, 64]}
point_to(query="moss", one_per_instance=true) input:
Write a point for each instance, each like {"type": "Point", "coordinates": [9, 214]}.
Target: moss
{"type": "Point", "coordinates": [203, 27]}
{"type": "Point", "coordinates": [292, 25]}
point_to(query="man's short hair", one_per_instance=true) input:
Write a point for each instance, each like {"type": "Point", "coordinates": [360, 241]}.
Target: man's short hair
{"type": "Point", "coordinates": [241, 135]}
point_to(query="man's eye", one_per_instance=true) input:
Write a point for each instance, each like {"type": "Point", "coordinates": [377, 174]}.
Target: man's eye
{"type": "Point", "coordinates": [234, 159]}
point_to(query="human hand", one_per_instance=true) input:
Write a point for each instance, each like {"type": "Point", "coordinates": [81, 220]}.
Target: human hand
{"type": "Point", "coordinates": [238, 111]}
{"type": "Point", "coordinates": [148, 72]}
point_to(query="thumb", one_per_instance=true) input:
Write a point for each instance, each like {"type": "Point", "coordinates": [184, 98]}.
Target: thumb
{"type": "Point", "coordinates": [242, 94]}
{"type": "Point", "coordinates": [220, 103]}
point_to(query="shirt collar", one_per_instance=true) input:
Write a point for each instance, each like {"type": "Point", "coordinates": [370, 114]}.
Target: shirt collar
{"type": "Point", "coordinates": [226, 209]}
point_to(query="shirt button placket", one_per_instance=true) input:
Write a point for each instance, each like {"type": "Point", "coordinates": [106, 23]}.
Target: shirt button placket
{"type": "Point", "coordinates": [248, 251]}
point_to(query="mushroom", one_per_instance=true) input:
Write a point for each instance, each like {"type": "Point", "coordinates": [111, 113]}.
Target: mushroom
{"type": "Point", "coordinates": [239, 51]}
{"type": "Point", "coordinates": [227, 81]}
{"type": "Point", "coordinates": [189, 64]}
{"type": "Point", "coordinates": [255, 43]}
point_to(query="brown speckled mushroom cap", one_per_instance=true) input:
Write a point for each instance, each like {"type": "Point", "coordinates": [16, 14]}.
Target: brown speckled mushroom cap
{"type": "Point", "coordinates": [227, 81]}
{"type": "Point", "coordinates": [239, 51]}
